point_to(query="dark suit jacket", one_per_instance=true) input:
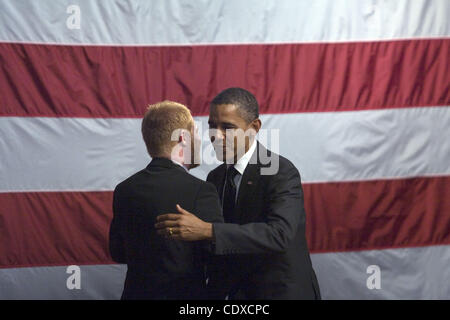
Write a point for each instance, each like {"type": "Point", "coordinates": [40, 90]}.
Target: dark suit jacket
{"type": "Point", "coordinates": [159, 268]}
{"type": "Point", "coordinates": [265, 256]}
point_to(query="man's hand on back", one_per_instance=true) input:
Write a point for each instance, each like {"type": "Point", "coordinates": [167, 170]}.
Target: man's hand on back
{"type": "Point", "coordinates": [183, 226]}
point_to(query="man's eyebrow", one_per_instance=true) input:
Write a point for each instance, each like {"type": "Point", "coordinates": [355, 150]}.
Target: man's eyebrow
{"type": "Point", "coordinates": [229, 124]}
{"type": "Point", "coordinates": [225, 123]}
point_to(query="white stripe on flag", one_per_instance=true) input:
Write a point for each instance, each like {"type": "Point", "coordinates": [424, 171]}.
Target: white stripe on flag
{"type": "Point", "coordinates": [40, 283]}
{"type": "Point", "coordinates": [142, 22]}
{"type": "Point", "coordinates": [405, 273]}
{"type": "Point", "coordinates": [81, 154]}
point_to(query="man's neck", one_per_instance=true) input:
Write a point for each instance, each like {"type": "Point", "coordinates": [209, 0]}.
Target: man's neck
{"type": "Point", "coordinates": [180, 163]}
{"type": "Point", "coordinates": [175, 158]}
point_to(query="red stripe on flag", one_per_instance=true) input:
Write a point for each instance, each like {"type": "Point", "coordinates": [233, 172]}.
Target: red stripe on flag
{"type": "Point", "coordinates": [378, 214]}
{"type": "Point", "coordinates": [54, 228]}
{"type": "Point", "coordinates": [102, 81]}
{"type": "Point", "coordinates": [60, 228]}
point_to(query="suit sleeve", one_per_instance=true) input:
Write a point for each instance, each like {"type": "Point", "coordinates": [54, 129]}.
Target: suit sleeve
{"type": "Point", "coordinates": [209, 209]}
{"type": "Point", "coordinates": [116, 242]}
{"type": "Point", "coordinates": [285, 214]}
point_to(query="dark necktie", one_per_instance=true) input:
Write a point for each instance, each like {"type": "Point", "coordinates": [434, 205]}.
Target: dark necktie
{"type": "Point", "coordinates": [229, 196]}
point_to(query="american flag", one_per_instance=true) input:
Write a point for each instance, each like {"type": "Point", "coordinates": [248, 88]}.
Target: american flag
{"type": "Point", "coordinates": [359, 90]}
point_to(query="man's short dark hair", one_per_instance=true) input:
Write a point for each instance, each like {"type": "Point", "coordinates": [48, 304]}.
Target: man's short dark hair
{"type": "Point", "coordinates": [244, 100]}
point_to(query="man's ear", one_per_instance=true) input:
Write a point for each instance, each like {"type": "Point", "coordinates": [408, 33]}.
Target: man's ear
{"type": "Point", "coordinates": [184, 137]}
{"type": "Point", "coordinates": [256, 125]}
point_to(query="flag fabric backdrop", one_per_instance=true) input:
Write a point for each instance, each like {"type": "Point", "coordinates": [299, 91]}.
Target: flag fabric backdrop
{"type": "Point", "coordinates": [359, 90]}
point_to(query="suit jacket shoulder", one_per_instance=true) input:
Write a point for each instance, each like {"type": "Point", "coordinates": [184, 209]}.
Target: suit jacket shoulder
{"type": "Point", "coordinates": [213, 174]}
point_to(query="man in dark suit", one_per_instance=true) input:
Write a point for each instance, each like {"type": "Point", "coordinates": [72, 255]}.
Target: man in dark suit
{"type": "Point", "coordinates": [261, 250]}
{"type": "Point", "coordinates": [158, 267]}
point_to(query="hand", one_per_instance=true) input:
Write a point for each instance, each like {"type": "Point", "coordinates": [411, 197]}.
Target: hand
{"type": "Point", "coordinates": [184, 226]}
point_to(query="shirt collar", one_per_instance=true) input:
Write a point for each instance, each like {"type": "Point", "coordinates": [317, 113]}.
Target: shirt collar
{"type": "Point", "coordinates": [176, 162]}
{"type": "Point", "coordinates": [242, 163]}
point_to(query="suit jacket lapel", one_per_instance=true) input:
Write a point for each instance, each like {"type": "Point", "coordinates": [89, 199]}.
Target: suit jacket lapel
{"type": "Point", "coordinates": [219, 180]}
{"type": "Point", "coordinates": [248, 184]}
